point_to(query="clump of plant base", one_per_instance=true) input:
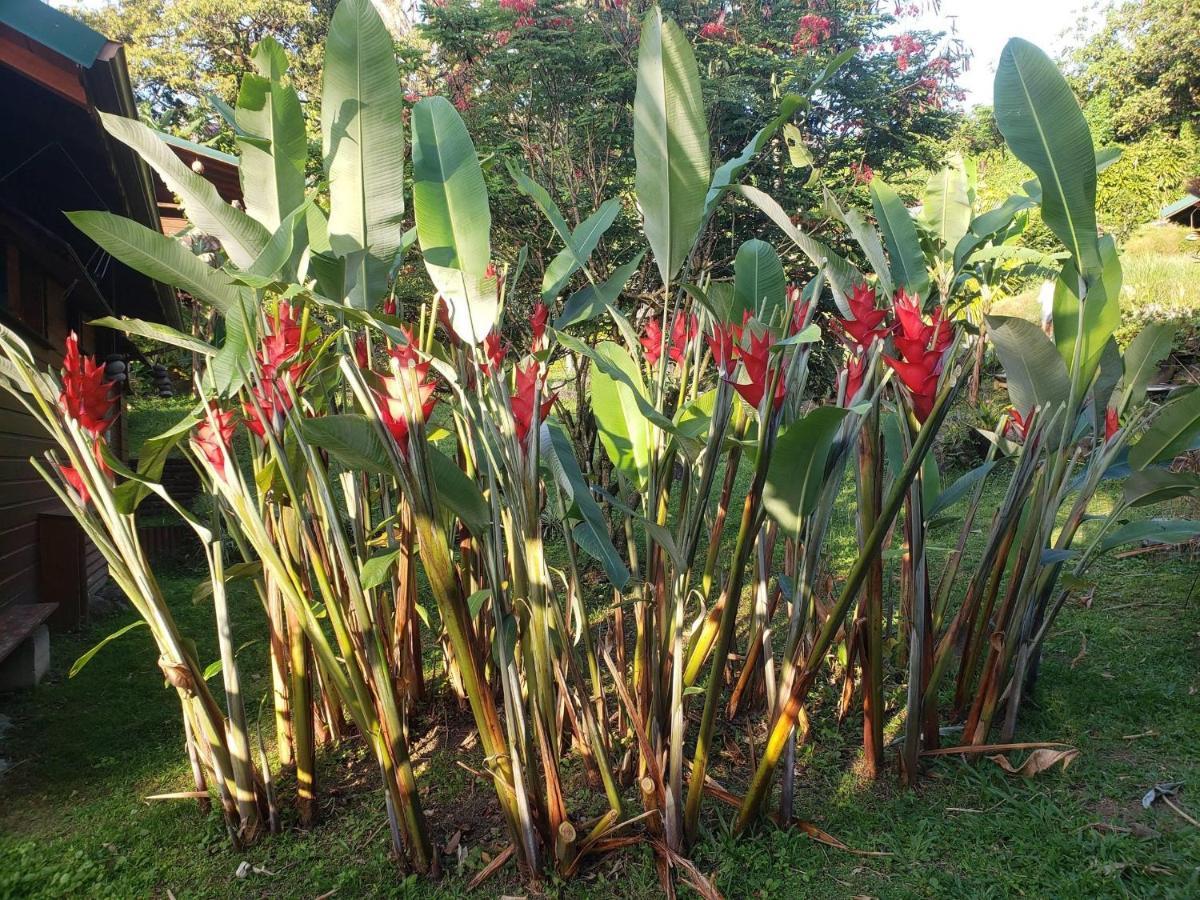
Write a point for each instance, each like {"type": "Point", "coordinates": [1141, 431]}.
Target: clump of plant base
{"type": "Point", "coordinates": [351, 498]}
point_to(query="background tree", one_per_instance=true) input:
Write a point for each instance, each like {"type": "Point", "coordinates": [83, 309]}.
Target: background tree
{"type": "Point", "coordinates": [1141, 66]}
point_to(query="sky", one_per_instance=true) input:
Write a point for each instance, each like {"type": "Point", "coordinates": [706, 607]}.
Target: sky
{"type": "Point", "coordinates": [985, 25]}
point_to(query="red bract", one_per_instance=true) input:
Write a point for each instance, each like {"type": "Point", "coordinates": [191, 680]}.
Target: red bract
{"type": "Point", "coordinates": [1112, 423]}
{"type": "Point", "coordinates": [683, 332]}
{"type": "Point", "coordinates": [406, 395]}
{"type": "Point", "coordinates": [920, 377]}
{"type": "Point", "coordinates": [652, 341]}
{"type": "Point", "coordinates": [541, 315]}
{"type": "Point", "coordinates": [723, 343]}
{"type": "Point", "coordinates": [799, 308]}
{"type": "Point", "coordinates": [856, 372]}
{"type": "Point", "coordinates": [213, 442]}
{"type": "Point", "coordinates": [274, 400]}
{"type": "Point", "coordinates": [714, 30]}
{"type": "Point", "coordinates": [85, 394]}
{"type": "Point", "coordinates": [493, 354]}
{"type": "Point", "coordinates": [389, 306]}
{"type": "Point", "coordinates": [529, 380]}
{"type": "Point", "coordinates": [757, 362]}
{"type": "Point", "coordinates": [360, 351]}
{"type": "Point", "coordinates": [1018, 425]}
{"type": "Point", "coordinates": [74, 479]}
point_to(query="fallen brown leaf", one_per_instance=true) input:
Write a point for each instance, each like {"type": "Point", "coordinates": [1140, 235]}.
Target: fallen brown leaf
{"type": "Point", "coordinates": [1037, 762]}
{"type": "Point", "coordinates": [1081, 654]}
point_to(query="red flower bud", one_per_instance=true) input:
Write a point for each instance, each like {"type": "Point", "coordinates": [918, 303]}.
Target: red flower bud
{"type": "Point", "coordinates": [528, 381]}
{"type": "Point", "coordinates": [85, 394]}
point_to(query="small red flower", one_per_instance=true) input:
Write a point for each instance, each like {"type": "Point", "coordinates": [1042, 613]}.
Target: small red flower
{"type": "Point", "coordinates": [274, 401]}
{"type": "Point", "coordinates": [85, 394]}
{"type": "Point", "coordinates": [921, 378]}
{"type": "Point", "coordinates": [541, 315]}
{"type": "Point", "coordinates": [528, 382]}
{"type": "Point", "coordinates": [1112, 423]}
{"type": "Point", "coordinates": [389, 306]}
{"type": "Point", "coordinates": [213, 442]}
{"type": "Point", "coordinates": [360, 351]}
{"type": "Point", "coordinates": [281, 343]}
{"type": "Point", "coordinates": [800, 308]}
{"type": "Point", "coordinates": [714, 30]}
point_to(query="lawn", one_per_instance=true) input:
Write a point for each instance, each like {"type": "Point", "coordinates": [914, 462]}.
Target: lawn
{"type": "Point", "coordinates": [1120, 683]}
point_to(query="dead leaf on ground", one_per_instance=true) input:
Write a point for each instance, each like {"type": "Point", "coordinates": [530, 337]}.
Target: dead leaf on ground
{"type": "Point", "coordinates": [1081, 654]}
{"type": "Point", "coordinates": [1037, 762]}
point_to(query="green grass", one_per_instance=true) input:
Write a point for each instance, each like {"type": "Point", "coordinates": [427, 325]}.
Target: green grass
{"type": "Point", "coordinates": [85, 751]}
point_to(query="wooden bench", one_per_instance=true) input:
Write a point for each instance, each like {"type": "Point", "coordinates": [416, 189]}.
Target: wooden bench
{"type": "Point", "coordinates": [24, 644]}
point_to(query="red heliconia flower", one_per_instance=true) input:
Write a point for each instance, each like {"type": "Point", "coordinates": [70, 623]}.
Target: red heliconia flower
{"type": "Point", "coordinates": [541, 315]}
{"type": "Point", "coordinates": [683, 332]}
{"type": "Point", "coordinates": [389, 306]}
{"type": "Point", "coordinates": [529, 380]}
{"type": "Point", "coordinates": [1018, 425]}
{"type": "Point", "coordinates": [282, 343]}
{"type": "Point", "coordinates": [920, 376]}
{"type": "Point", "coordinates": [406, 395]}
{"type": "Point", "coordinates": [360, 351]}
{"type": "Point", "coordinates": [723, 343]}
{"type": "Point", "coordinates": [652, 340]}
{"type": "Point", "coordinates": [867, 325]}
{"type": "Point", "coordinates": [213, 442]}
{"type": "Point", "coordinates": [75, 480]}
{"type": "Point", "coordinates": [274, 400]}
{"type": "Point", "coordinates": [757, 362]}
{"type": "Point", "coordinates": [856, 373]}
{"type": "Point", "coordinates": [799, 307]}
{"type": "Point", "coordinates": [85, 394]}
{"type": "Point", "coordinates": [493, 353]}
{"type": "Point", "coordinates": [1112, 423]}
{"type": "Point", "coordinates": [405, 352]}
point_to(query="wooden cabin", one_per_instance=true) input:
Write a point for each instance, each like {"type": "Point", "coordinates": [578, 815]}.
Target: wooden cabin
{"type": "Point", "coordinates": [56, 75]}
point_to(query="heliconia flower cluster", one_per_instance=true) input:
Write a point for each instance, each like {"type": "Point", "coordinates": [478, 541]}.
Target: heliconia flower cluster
{"type": "Point", "coordinates": [530, 382]}
{"type": "Point", "coordinates": [278, 369]}
{"type": "Point", "coordinates": [87, 397]}
{"type": "Point", "coordinates": [1018, 425]}
{"type": "Point", "coordinates": [684, 329]}
{"type": "Point", "coordinates": [406, 395]}
{"type": "Point", "coordinates": [922, 347]}
{"type": "Point", "coordinates": [212, 437]}
{"type": "Point", "coordinates": [728, 345]}
{"type": "Point", "coordinates": [859, 332]}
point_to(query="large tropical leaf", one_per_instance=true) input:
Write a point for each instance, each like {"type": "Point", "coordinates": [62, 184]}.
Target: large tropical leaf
{"type": "Point", "coordinates": [797, 469]}
{"type": "Point", "coordinates": [1158, 531]}
{"type": "Point", "coordinates": [670, 143]}
{"type": "Point", "coordinates": [157, 256]}
{"type": "Point", "coordinates": [273, 144]}
{"type": "Point", "coordinates": [1100, 313]}
{"type": "Point", "coordinates": [1145, 352]}
{"type": "Point", "coordinates": [454, 222]}
{"type": "Point", "coordinates": [156, 331]}
{"type": "Point", "coordinates": [241, 236]}
{"type": "Point", "coordinates": [362, 109]}
{"type": "Point", "coordinates": [592, 532]}
{"type": "Point", "coordinates": [759, 285]}
{"type": "Point", "coordinates": [1155, 485]}
{"type": "Point", "coordinates": [591, 300]}
{"type": "Point", "coordinates": [900, 235]}
{"type": "Point", "coordinates": [731, 169]}
{"type": "Point", "coordinates": [865, 235]}
{"type": "Point", "coordinates": [623, 430]}
{"type": "Point", "coordinates": [1044, 126]}
{"type": "Point", "coordinates": [1174, 430]}
{"type": "Point", "coordinates": [1036, 373]}
{"type": "Point", "coordinates": [947, 206]}
{"type": "Point", "coordinates": [579, 249]}
{"type": "Point", "coordinates": [843, 277]}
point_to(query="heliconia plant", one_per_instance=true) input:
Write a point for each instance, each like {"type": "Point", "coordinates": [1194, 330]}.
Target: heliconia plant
{"type": "Point", "coordinates": [360, 459]}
